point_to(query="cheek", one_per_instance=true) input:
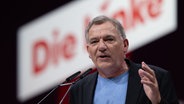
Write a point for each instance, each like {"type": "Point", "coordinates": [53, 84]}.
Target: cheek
{"type": "Point", "coordinates": [91, 52]}
{"type": "Point", "coordinates": [116, 48]}
{"type": "Point", "coordinates": [117, 51]}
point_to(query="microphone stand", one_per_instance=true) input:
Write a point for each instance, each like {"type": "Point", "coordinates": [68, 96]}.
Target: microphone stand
{"type": "Point", "coordinates": [62, 84]}
{"type": "Point", "coordinates": [65, 94]}
{"type": "Point", "coordinates": [53, 90]}
{"type": "Point", "coordinates": [65, 84]}
{"type": "Point", "coordinates": [81, 77]}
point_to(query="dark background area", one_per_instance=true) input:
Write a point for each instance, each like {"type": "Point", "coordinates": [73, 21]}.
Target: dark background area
{"type": "Point", "coordinates": [166, 52]}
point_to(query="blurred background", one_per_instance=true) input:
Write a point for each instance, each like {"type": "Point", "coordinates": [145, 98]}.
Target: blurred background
{"type": "Point", "coordinates": [166, 51]}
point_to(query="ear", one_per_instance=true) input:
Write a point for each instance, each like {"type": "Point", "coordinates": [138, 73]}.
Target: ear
{"type": "Point", "coordinates": [87, 48]}
{"type": "Point", "coordinates": [126, 45]}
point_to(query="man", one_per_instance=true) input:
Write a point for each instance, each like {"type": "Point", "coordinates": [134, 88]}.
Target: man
{"type": "Point", "coordinates": [119, 80]}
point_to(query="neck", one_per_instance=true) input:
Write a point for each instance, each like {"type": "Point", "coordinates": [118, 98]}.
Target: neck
{"type": "Point", "coordinates": [113, 72]}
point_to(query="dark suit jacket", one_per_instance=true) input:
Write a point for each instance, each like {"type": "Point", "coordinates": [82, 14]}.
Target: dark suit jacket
{"type": "Point", "coordinates": [83, 91]}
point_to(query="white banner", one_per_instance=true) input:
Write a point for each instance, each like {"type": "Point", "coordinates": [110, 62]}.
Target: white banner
{"type": "Point", "coordinates": [52, 47]}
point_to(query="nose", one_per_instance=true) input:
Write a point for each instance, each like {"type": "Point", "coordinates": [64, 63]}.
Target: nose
{"type": "Point", "coordinates": [102, 46]}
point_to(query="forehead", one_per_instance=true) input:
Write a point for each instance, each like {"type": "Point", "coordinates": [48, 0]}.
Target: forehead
{"type": "Point", "coordinates": [106, 26]}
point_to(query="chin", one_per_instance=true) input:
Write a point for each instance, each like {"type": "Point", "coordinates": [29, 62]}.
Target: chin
{"type": "Point", "coordinates": [104, 66]}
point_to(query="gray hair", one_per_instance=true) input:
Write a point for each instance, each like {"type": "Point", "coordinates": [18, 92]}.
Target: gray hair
{"type": "Point", "coordinates": [102, 19]}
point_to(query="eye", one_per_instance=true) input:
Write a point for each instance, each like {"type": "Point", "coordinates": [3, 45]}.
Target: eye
{"type": "Point", "coordinates": [93, 41]}
{"type": "Point", "coordinates": [109, 39]}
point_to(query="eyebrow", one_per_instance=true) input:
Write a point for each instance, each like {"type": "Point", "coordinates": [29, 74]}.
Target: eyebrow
{"type": "Point", "coordinates": [109, 36]}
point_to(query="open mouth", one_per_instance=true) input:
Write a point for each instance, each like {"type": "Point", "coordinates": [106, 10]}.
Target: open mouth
{"type": "Point", "coordinates": [104, 56]}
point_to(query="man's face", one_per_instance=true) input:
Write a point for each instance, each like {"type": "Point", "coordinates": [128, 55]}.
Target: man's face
{"type": "Point", "coordinates": [106, 47]}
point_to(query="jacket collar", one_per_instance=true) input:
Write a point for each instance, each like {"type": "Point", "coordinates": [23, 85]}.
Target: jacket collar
{"type": "Point", "coordinates": [133, 90]}
{"type": "Point", "coordinates": [134, 84]}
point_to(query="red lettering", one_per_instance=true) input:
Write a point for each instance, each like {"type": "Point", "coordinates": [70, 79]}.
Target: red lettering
{"type": "Point", "coordinates": [140, 11]}
{"type": "Point", "coordinates": [154, 8]}
{"type": "Point", "coordinates": [121, 16]}
{"type": "Point", "coordinates": [69, 46]}
{"type": "Point", "coordinates": [136, 12]}
{"type": "Point", "coordinates": [104, 6]}
{"type": "Point", "coordinates": [39, 65]}
{"type": "Point", "coordinates": [86, 21]}
{"type": "Point", "coordinates": [53, 51]}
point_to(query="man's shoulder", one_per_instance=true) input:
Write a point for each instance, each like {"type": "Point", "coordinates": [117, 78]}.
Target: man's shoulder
{"type": "Point", "coordinates": [159, 71]}
{"type": "Point", "coordinates": [91, 78]}
{"type": "Point", "coordinates": [154, 67]}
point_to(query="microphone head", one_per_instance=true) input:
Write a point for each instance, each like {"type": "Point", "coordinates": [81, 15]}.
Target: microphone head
{"type": "Point", "coordinates": [72, 76]}
{"type": "Point", "coordinates": [86, 73]}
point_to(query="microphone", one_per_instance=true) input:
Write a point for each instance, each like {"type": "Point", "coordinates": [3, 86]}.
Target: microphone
{"type": "Point", "coordinates": [72, 77]}
{"type": "Point", "coordinates": [84, 74]}
{"type": "Point", "coordinates": [66, 80]}
{"type": "Point", "coordinates": [80, 77]}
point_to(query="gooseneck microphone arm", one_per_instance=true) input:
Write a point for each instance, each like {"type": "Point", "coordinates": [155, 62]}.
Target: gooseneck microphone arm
{"type": "Point", "coordinates": [65, 94]}
{"type": "Point", "coordinates": [81, 77]}
{"type": "Point", "coordinates": [85, 73]}
{"type": "Point", "coordinates": [62, 84]}
{"type": "Point", "coordinates": [72, 77]}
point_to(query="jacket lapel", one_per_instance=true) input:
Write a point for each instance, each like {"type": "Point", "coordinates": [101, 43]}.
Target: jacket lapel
{"type": "Point", "coordinates": [89, 88]}
{"type": "Point", "coordinates": [134, 88]}
{"type": "Point", "coordinates": [134, 84]}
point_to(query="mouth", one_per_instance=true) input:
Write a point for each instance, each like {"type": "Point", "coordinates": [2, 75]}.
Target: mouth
{"type": "Point", "coordinates": [104, 56]}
